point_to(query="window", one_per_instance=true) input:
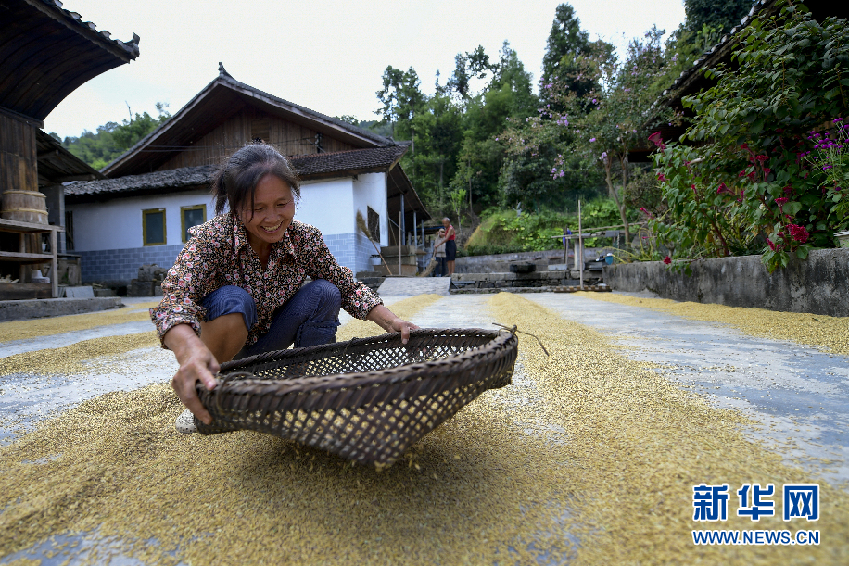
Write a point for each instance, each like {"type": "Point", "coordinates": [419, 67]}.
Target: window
{"type": "Point", "coordinates": [192, 216]}
{"type": "Point", "coordinates": [153, 226]}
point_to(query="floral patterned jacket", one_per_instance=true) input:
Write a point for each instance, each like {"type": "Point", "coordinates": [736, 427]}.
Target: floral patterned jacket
{"type": "Point", "coordinates": [218, 254]}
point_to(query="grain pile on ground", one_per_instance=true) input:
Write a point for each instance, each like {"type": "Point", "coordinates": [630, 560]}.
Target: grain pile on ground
{"type": "Point", "coordinates": [25, 329]}
{"type": "Point", "coordinates": [827, 333]}
{"type": "Point", "coordinates": [78, 357]}
{"type": "Point", "coordinates": [588, 455]}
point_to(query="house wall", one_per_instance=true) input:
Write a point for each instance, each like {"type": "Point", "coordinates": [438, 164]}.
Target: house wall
{"type": "Point", "coordinates": [288, 137]}
{"type": "Point", "coordinates": [370, 191]}
{"type": "Point", "coordinates": [109, 234]}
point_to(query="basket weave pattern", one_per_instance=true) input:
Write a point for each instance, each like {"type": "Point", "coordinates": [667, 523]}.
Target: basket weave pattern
{"type": "Point", "coordinates": [367, 399]}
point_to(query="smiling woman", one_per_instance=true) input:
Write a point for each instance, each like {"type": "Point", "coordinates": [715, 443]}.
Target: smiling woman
{"type": "Point", "coordinates": [238, 287]}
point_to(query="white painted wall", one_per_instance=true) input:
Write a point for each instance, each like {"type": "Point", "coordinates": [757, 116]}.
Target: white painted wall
{"type": "Point", "coordinates": [328, 205]}
{"type": "Point", "coordinates": [370, 190]}
{"type": "Point", "coordinates": [117, 223]}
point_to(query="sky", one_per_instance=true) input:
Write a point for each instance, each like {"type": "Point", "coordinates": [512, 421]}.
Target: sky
{"type": "Point", "coordinates": [328, 56]}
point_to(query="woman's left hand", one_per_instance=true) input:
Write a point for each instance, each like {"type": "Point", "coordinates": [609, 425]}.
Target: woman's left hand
{"type": "Point", "coordinates": [387, 320]}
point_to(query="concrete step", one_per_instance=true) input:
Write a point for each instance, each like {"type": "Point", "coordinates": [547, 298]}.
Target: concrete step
{"type": "Point", "coordinates": [411, 286]}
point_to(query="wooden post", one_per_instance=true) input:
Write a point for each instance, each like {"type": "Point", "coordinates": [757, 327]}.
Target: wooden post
{"type": "Point", "coordinates": [580, 250]}
{"type": "Point", "coordinates": [415, 236]}
{"type": "Point", "coordinates": [22, 247]}
{"type": "Point", "coordinates": [402, 225]}
{"type": "Point", "coordinates": [400, 218]}
{"type": "Point", "coordinates": [565, 251]}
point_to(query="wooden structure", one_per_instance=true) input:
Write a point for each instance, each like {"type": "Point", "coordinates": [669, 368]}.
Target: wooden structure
{"type": "Point", "coordinates": [46, 52]}
{"type": "Point", "coordinates": [25, 231]}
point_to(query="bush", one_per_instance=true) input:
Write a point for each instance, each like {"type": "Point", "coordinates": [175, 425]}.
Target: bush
{"type": "Point", "coordinates": [769, 171]}
{"type": "Point", "coordinates": [503, 231]}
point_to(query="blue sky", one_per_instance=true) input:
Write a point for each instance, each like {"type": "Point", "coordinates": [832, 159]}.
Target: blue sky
{"type": "Point", "coordinates": [328, 56]}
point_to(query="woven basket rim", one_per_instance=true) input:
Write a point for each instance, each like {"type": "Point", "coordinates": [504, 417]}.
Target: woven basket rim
{"type": "Point", "coordinates": [406, 372]}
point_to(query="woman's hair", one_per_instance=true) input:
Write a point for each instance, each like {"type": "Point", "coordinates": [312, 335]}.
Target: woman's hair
{"type": "Point", "coordinates": [235, 183]}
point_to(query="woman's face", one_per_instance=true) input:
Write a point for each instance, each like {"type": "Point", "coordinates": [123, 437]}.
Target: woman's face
{"type": "Point", "coordinates": [273, 210]}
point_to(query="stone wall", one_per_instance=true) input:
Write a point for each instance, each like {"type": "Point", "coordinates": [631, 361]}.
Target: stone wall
{"type": "Point", "coordinates": [819, 284]}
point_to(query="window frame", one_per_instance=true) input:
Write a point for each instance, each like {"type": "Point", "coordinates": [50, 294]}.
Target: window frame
{"type": "Point", "coordinates": [183, 218]}
{"type": "Point", "coordinates": [147, 211]}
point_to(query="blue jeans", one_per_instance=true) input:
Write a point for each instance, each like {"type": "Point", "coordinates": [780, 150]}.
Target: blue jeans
{"type": "Point", "coordinates": [309, 318]}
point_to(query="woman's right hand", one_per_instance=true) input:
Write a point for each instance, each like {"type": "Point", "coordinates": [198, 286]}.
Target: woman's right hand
{"type": "Point", "coordinates": [196, 364]}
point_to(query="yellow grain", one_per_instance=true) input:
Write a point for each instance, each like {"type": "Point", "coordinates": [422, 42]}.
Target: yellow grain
{"type": "Point", "coordinates": [26, 329]}
{"type": "Point", "coordinates": [588, 458]}
{"type": "Point", "coordinates": [827, 333]}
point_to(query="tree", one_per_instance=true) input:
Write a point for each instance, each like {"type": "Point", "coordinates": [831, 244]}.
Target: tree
{"type": "Point", "coordinates": [599, 127]}
{"type": "Point", "coordinates": [474, 65]}
{"type": "Point", "coordinates": [112, 139]}
{"type": "Point", "coordinates": [438, 136]}
{"type": "Point", "coordinates": [508, 95]}
{"type": "Point", "coordinates": [401, 100]}
{"type": "Point", "coordinates": [566, 43]}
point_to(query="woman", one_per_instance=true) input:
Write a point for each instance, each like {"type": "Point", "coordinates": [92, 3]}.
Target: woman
{"type": "Point", "coordinates": [450, 245]}
{"type": "Point", "coordinates": [237, 286]}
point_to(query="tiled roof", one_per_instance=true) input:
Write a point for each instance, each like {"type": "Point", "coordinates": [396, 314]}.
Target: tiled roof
{"type": "Point", "coordinates": [156, 181]}
{"type": "Point", "coordinates": [48, 52]}
{"type": "Point", "coordinates": [718, 51]}
{"type": "Point", "coordinates": [357, 160]}
{"type": "Point", "coordinates": [213, 100]}
{"type": "Point", "coordinates": [320, 165]}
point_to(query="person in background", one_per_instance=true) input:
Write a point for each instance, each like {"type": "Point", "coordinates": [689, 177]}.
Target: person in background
{"type": "Point", "coordinates": [450, 245]}
{"type": "Point", "coordinates": [237, 288]}
{"type": "Point", "coordinates": [439, 254]}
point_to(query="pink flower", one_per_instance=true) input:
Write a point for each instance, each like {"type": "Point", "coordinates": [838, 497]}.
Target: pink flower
{"type": "Point", "coordinates": [771, 245]}
{"type": "Point", "coordinates": [694, 188]}
{"type": "Point", "coordinates": [667, 260]}
{"type": "Point", "coordinates": [761, 158]}
{"type": "Point", "coordinates": [722, 189]}
{"type": "Point", "coordinates": [657, 139]}
{"type": "Point", "coordinates": [661, 177]}
{"type": "Point", "coordinates": [798, 233]}
{"type": "Point", "coordinates": [781, 201]}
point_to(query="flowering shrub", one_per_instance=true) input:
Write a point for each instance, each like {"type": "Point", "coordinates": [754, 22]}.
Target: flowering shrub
{"type": "Point", "coordinates": [768, 172]}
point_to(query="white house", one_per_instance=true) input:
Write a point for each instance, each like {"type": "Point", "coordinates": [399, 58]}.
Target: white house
{"type": "Point", "coordinates": [160, 187]}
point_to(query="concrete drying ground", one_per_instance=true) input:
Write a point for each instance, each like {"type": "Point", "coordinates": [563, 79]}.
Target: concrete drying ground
{"type": "Point", "coordinates": [794, 391]}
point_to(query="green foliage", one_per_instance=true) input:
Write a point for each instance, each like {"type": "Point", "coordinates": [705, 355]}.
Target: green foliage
{"type": "Point", "coordinates": [401, 99]}
{"type": "Point", "coordinates": [567, 43]}
{"type": "Point", "coordinates": [718, 14]}
{"type": "Point", "coordinates": [506, 231]}
{"type": "Point", "coordinates": [597, 129]}
{"type": "Point", "coordinates": [481, 157]}
{"type": "Point", "coordinates": [110, 140]}
{"type": "Point", "coordinates": [750, 184]}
